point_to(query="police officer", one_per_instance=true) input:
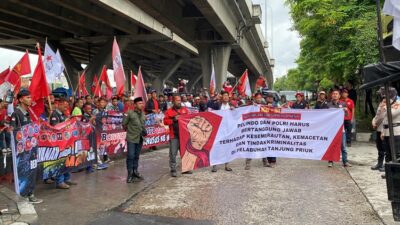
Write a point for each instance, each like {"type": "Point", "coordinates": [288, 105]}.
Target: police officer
{"type": "Point", "coordinates": [20, 118]}
{"type": "Point", "coordinates": [58, 116]}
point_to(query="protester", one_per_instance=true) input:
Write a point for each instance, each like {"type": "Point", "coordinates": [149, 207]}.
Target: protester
{"type": "Point", "coordinates": [171, 119]}
{"type": "Point", "coordinates": [185, 101]}
{"type": "Point", "coordinates": [77, 108]}
{"type": "Point", "coordinates": [114, 104]}
{"type": "Point", "coordinates": [227, 87]}
{"type": "Point", "coordinates": [133, 123]}
{"type": "Point", "coordinates": [88, 117]}
{"type": "Point", "coordinates": [258, 100]}
{"type": "Point", "coordinates": [100, 113]}
{"type": "Point", "coordinates": [395, 107]}
{"type": "Point", "coordinates": [5, 138]}
{"type": "Point", "coordinates": [349, 118]}
{"type": "Point", "coordinates": [162, 103]}
{"type": "Point", "coordinates": [20, 118]}
{"type": "Point", "coordinates": [349, 85]}
{"type": "Point", "coordinates": [128, 105]}
{"type": "Point", "coordinates": [300, 103]}
{"type": "Point", "coordinates": [224, 105]}
{"type": "Point", "coordinates": [336, 103]}
{"type": "Point", "coordinates": [377, 124]}
{"type": "Point", "coordinates": [152, 105]}
{"type": "Point", "coordinates": [322, 102]}
{"type": "Point", "coordinates": [63, 181]}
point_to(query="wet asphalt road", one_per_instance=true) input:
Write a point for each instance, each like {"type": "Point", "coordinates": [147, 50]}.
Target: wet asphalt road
{"type": "Point", "coordinates": [295, 192]}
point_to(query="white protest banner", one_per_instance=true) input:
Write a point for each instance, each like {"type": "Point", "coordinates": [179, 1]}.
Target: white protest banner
{"type": "Point", "coordinates": [217, 137]}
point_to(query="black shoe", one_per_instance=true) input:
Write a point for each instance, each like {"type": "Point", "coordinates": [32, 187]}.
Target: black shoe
{"type": "Point", "coordinates": [173, 174]}
{"type": "Point", "coordinates": [376, 167]}
{"type": "Point", "coordinates": [129, 179]}
{"type": "Point", "coordinates": [382, 169]}
{"type": "Point", "coordinates": [214, 169]}
{"type": "Point", "coordinates": [188, 172]}
{"type": "Point", "coordinates": [383, 176]}
{"type": "Point", "coordinates": [137, 175]}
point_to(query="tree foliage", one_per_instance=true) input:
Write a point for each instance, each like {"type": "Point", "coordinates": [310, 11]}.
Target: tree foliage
{"type": "Point", "coordinates": [338, 38]}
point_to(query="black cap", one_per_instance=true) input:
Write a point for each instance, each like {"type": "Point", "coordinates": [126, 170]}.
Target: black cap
{"type": "Point", "coordinates": [269, 94]}
{"type": "Point", "coordinates": [23, 93]}
{"type": "Point", "coordinates": [138, 99]}
{"type": "Point", "coordinates": [151, 92]}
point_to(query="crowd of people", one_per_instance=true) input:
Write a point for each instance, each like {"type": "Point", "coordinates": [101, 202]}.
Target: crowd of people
{"type": "Point", "coordinates": [172, 105]}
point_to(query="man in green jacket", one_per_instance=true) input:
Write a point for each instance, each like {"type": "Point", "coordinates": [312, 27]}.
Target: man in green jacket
{"type": "Point", "coordinates": [133, 123]}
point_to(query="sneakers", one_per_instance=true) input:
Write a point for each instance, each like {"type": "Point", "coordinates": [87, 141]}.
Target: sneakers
{"type": "Point", "coordinates": [173, 174]}
{"type": "Point", "coordinates": [227, 168]}
{"type": "Point", "coordinates": [330, 164]}
{"type": "Point", "coordinates": [102, 166]}
{"type": "Point", "coordinates": [382, 169]}
{"type": "Point", "coordinates": [49, 181]}
{"type": "Point", "coordinates": [346, 164]}
{"type": "Point", "coordinates": [70, 183]}
{"type": "Point", "coordinates": [8, 149]}
{"type": "Point", "coordinates": [63, 186]}
{"type": "Point", "coordinates": [377, 167]}
{"type": "Point", "coordinates": [4, 150]}
{"type": "Point", "coordinates": [32, 199]}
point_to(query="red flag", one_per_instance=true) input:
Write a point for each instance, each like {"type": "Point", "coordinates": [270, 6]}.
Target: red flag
{"type": "Point", "coordinates": [3, 75]}
{"type": "Point", "coordinates": [243, 86]}
{"type": "Point", "coordinates": [133, 79]}
{"type": "Point", "coordinates": [39, 87]}
{"type": "Point", "coordinates": [119, 74]}
{"type": "Point", "coordinates": [94, 84]}
{"type": "Point", "coordinates": [103, 78]}
{"type": "Point", "coordinates": [140, 90]}
{"type": "Point", "coordinates": [21, 68]}
{"type": "Point", "coordinates": [82, 91]}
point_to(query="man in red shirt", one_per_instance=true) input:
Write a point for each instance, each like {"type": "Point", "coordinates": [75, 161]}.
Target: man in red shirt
{"type": "Point", "coordinates": [349, 117]}
{"type": "Point", "coordinates": [171, 119]}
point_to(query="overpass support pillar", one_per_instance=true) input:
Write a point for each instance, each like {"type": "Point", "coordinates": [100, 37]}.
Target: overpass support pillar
{"type": "Point", "coordinates": [158, 83]}
{"type": "Point", "coordinates": [205, 60]}
{"type": "Point", "coordinates": [193, 83]}
{"type": "Point", "coordinates": [221, 56]}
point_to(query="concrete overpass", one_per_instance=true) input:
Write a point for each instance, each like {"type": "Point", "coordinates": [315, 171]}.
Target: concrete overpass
{"type": "Point", "coordinates": [170, 39]}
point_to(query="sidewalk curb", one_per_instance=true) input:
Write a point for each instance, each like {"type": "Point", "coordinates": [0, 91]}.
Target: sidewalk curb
{"type": "Point", "coordinates": [26, 211]}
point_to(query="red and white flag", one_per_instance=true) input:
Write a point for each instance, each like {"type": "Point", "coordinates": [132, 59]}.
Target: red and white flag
{"type": "Point", "coordinates": [243, 87]}
{"type": "Point", "coordinates": [23, 67]}
{"type": "Point", "coordinates": [82, 91]}
{"type": "Point", "coordinates": [212, 82]}
{"type": "Point", "coordinates": [133, 79]}
{"type": "Point", "coordinates": [103, 78]}
{"type": "Point", "coordinates": [140, 90]}
{"type": "Point", "coordinates": [119, 74]}
{"type": "Point", "coordinates": [94, 84]}
{"type": "Point", "coordinates": [39, 87]}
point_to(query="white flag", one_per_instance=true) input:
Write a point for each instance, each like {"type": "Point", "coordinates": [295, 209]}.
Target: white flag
{"type": "Point", "coordinates": [53, 65]}
{"type": "Point", "coordinates": [392, 7]}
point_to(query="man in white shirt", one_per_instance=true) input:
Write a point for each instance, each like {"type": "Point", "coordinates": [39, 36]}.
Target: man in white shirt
{"type": "Point", "coordinates": [224, 105]}
{"type": "Point", "coordinates": [185, 102]}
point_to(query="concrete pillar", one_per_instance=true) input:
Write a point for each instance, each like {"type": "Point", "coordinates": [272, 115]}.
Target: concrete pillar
{"type": "Point", "coordinates": [205, 60]}
{"type": "Point", "coordinates": [103, 57]}
{"type": "Point", "coordinates": [253, 79]}
{"type": "Point", "coordinates": [194, 82]}
{"type": "Point", "coordinates": [221, 55]}
{"type": "Point", "coordinates": [72, 67]}
{"type": "Point", "coordinates": [158, 83]}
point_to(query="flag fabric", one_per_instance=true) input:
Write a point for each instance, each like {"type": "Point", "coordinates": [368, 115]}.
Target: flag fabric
{"type": "Point", "coordinates": [140, 89]}
{"type": "Point", "coordinates": [3, 75]}
{"type": "Point", "coordinates": [59, 58]}
{"type": "Point", "coordinates": [392, 7]}
{"type": "Point", "coordinates": [21, 68]}
{"type": "Point", "coordinates": [39, 87]}
{"type": "Point", "coordinates": [133, 79]}
{"type": "Point", "coordinates": [243, 87]}
{"type": "Point", "coordinates": [94, 84]}
{"type": "Point", "coordinates": [212, 81]}
{"type": "Point", "coordinates": [82, 91]}
{"type": "Point", "coordinates": [119, 74]}
{"type": "Point", "coordinates": [103, 78]}
{"type": "Point", "coordinates": [52, 64]}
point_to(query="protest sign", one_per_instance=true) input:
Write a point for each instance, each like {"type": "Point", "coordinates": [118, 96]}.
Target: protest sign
{"type": "Point", "coordinates": [110, 135]}
{"type": "Point", "coordinates": [218, 137]}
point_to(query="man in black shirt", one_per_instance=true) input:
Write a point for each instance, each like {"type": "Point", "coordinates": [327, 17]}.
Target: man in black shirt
{"type": "Point", "coordinates": [300, 103]}
{"type": "Point", "coordinates": [20, 118]}
{"type": "Point", "coordinates": [58, 116]}
{"type": "Point", "coordinates": [322, 102]}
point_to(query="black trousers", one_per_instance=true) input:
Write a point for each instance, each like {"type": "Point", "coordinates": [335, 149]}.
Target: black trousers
{"type": "Point", "coordinates": [348, 127]}
{"type": "Point", "coordinates": [387, 148]}
{"type": "Point", "coordinates": [380, 145]}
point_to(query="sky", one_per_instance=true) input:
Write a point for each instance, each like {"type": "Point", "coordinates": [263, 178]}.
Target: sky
{"type": "Point", "coordinates": [284, 43]}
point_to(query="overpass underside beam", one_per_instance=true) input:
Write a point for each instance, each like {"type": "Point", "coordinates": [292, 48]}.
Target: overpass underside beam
{"type": "Point", "coordinates": [159, 81]}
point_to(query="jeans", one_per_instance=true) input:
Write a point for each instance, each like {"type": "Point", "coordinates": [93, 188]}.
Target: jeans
{"type": "Point", "coordinates": [5, 140]}
{"type": "Point", "coordinates": [173, 151]}
{"type": "Point", "coordinates": [63, 178]}
{"type": "Point", "coordinates": [348, 126]}
{"type": "Point", "coordinates": [132, 158]}
{"type": "Point", "coordinates": [344, 152]}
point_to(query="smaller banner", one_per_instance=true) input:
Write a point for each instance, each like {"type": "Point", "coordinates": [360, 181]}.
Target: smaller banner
{"type": "Point", "coordinates": [110, 135]}
{"type": "Point", "coordinates": [157, 132]}
{"type": "Point", "coordinates": [217, 137]}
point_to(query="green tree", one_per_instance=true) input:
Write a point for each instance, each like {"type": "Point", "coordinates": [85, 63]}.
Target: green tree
{"type": "Point", "coordinates": [338, 38]}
